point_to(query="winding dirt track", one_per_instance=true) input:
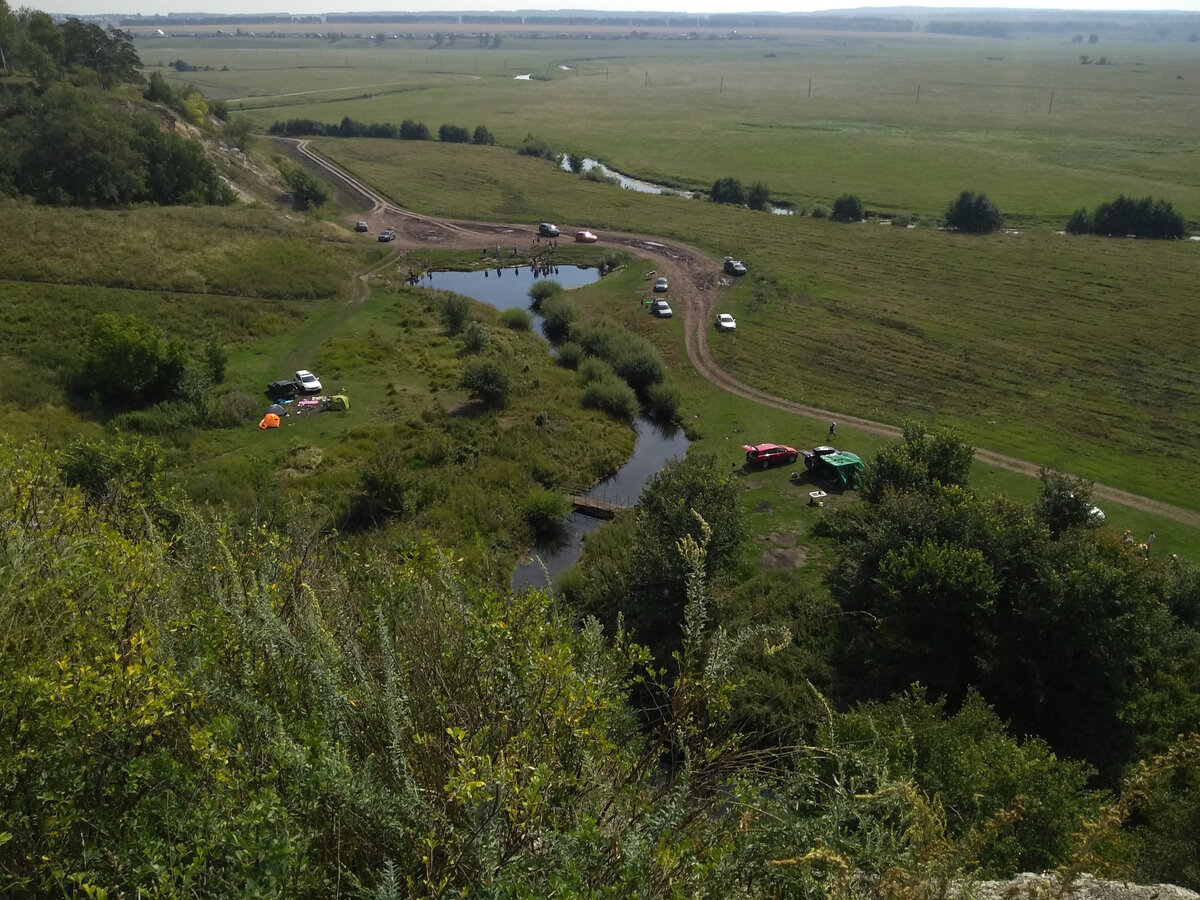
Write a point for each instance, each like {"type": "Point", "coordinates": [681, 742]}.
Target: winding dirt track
{"type": "Point", "coordinates": [694, 278]}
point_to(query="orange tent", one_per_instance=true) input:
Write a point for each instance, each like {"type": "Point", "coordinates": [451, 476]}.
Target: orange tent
{"type": "Point", "coordinates": [270, 420]}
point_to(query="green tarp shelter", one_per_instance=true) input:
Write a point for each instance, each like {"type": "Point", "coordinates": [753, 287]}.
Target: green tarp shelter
{"type": "Point", "coordinates": [842, 467]}
{"type": "Point", "coordinates": [339, 401]}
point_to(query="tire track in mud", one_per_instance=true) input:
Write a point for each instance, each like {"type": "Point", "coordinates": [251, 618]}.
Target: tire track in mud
{"type": "Point", "coordinates": [694, 278]}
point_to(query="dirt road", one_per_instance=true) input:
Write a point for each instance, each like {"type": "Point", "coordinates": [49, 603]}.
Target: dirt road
{"type": "Point", "coordinates": [694, 278]}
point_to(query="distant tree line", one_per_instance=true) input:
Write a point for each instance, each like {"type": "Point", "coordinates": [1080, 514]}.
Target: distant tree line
{"type": "Point", "coordinates": [408, 130]}
{"type": "Point", "coordinates": [1144, 218]}
{"type": "Point", "coordinates": [730, 190]}
{"type": "Point", "coordinates": [32, 43]}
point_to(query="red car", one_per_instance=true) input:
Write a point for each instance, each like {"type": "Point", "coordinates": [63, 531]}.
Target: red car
{"type": "Point", "coordinates": [766, 454]}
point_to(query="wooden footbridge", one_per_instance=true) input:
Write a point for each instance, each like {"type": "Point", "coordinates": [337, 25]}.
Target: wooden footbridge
{"type": "Point", "coordinates": [597, 509]}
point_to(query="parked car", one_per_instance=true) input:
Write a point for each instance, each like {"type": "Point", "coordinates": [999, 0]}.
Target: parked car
{"type": "Point", "coordinates": [388, 234]}
{"type": "Point", "coordinates": [766, 454]}
{"type": "Point", "coordinates": [307, 382]}
{"type": "Point", "coordinates": [813, 457]}
{"type": "Point", "coordinates": [545, 229]}
{"type": "Point", "coordinates": [585, 237]}
{"type": "Point", "coordinates": [661, 285]}
{"type": "Point", "coordinates": [662, 309]}
{"type": "Point", "coordinates": [734, 266]}
{"type": "Point", "coordinates": [361, 226]}
{"type": "Point", "coordinates": [282, 390]}
{"type": "Point", "coordinates": [726, 322]}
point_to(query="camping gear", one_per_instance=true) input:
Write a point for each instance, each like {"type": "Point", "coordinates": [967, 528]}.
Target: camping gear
{"type": "Point", "coordinates": [842, 467]}
{"type": "Point", "coordinates": [270, 420]}
{"type": "Point", "coordinates": [339, 401]}
{"type": "Point", "coordinates": [277, 409]}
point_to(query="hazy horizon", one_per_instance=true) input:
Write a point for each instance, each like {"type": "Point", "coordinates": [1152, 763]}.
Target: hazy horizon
{"type": "Point", "coordinates": [679, 7]}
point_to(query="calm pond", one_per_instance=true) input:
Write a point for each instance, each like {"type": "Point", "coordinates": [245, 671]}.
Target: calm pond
{"type": "Point", "coordinates": [653, 448]}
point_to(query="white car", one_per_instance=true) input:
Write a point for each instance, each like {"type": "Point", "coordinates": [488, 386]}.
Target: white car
{"type": "Point", "coordinates": [662, 309]}
{"type": "Point", "coordinates": [307, 382]}
{"type": "Point", "coordinates": [726, 322]}
{"type": "Point", "coordinates": [661, 285]}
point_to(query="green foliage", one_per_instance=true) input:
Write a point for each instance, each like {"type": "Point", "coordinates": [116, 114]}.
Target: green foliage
{"type": "Point", "coordinates": [476, 337]}
{"type": "Point", "coordinates": [488, 382]}
{"type": "Point", "coordinates": [516, 319]}
{"type": "Point", "coordinates": [454, 311]}
{"type": "Point", "coordinates": [544, 513]}
{"type": "Point", "coordinates": [920, 459]}
{"type": "Point", "coordinates": [758, 196]}
{"type": "Point", "coordinates": [307, 191]}
{"type": "Point", "coordinates": [569, 355]}
{"type": "Point", "coordinates": [609, 394]}
{"type": "Point", "coordinates": [124, 476]}
{"type": "Point", "coordinates": [535, 147]}
{"type": "Point", "coordinates": [973, 213]}
{"type": "Point", "coordinates": [541, 291]}
{"type": "Point", "coordinates": [158, 91]}
{"type": "Point", "coordinates": [1065, 502]}
{"type": "Point", "coordinates": [195, 109]}
{"type": "Point", "coordinates": [847, 208]}
{"type": "Point", "coordinates": [632, 357]}
{"type": "Point", "coordinates": [559, 313]}
{"type": "Point", "coordinates": [1144, 217]}
{"type": "Point", "coordinates": [454, 134]}
{"type": "Point", "coordinates": [129, 363]}
{"type": "Point", "coordinates": [482, 136]}
{"type": "Point", "coordinates": [727, 190]}
{"type": "Point", "coordinates": [383, 491]}
{"type": "Point", "coordinates": [216, 359]}
{"type": "Point", "coordinates": [662, 402]}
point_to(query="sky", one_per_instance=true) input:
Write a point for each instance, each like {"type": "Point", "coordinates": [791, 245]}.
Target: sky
{"type": "Point", "coordinates": [314, 7]}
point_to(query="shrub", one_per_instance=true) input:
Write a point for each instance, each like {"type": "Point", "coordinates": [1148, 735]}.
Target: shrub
{"type": "Point", "coordinates": [516, 319]}
{"type": "Point", "coordinates": [476, 336]}
{"type": "Point", "coordinates": [531, 146]}
{"type": "Point", "coordinates": [758, 197]}
{"type": "Point", "coordinates": [130, 363]}
{"type": "Point", "coordinates": [973, 214]}
{"type": "Point", "coordinates": [639, 364]}
{"type": "Point", "coordinates": [454, 311]}
{"type": "Point", "coordinates": [612, 396]}
{"type": "Point", "coordinates": [541, 291]}
{"type": "Point", "coordinates": [559, 312]}
{"type": "Point", "coordinates": [1144, 217]}
{"type": "Point", "coordinates": [1080, 222]}
{"type": "Point", "coordinates": [847, 208]}
{"type": "Point", "coordinates": [593, 369]}
{"type": "Point", "coordinates": [662, 403]}
{"type": "Point", "coordinates": [820, 212]}
{"type": "Point", "coordinates": [235, 408]}
{"type": "Point", "coordinates": [307, 191]}
{"type": "Point", "coordinates": [414, 131]}
{"type": "Point", "coordinates": [454, 134]}
{"type": "Point", "coordinates": [488, 382]}
{"type": "Point", "coordinates": [569, 355]}
{"type": "Point", "coordinates": [544, 513]}
{"type": "Point", "coordinates": [482, 136]}
{"type": "Point", "coordinates": [727, 190]}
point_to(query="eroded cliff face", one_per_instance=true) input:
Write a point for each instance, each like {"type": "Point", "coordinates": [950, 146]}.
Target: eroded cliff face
{"type": "Point", "coordinates": [1029, 886]}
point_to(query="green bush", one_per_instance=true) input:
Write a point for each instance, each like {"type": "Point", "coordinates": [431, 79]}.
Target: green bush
{"type": "Point", "coordinates": [637, 361]}
{"type": "Point", "coordinates": [541, 291]}
{"type": "Point", "coordinates": [544, 513]}
{"type": "Point", "coordinates": [612, 396]}
{"type": "Point", "coordinates": [516, 319]}
{"type": "Point", "coordinates": [476, 336]}
{"type": "Point", "coordinates": [662, 403]}
{"type": "Point", "coordinates": [847, 208]}
{"type": "Point", "coordinates": [454, 310]}
{"type": "Point", "coordinates": [569, 355]}
{"type": "Point", "coordinates": [593, 369]}
{"type": "Point", "coordinates": [559, 312]}
{"type": "Point", "coordinates": [488, 382]}
{"type": "Point", "coordinates": [973, 213]}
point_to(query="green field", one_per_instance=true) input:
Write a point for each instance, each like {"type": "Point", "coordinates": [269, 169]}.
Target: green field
{"type": "Point", "coordinates": [1071, 352]}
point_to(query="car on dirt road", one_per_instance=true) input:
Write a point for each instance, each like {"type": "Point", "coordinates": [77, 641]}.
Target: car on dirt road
{"type": "Point", "coordinates": [388, 234]}
{"type": "Point", "coordinates": [545, 229]}
{"type": "Point", "coordinates": [734, 266]}
{"type": "Point", "coordinates": [585, 237]}
{"type": "Point", "coordinates": [662, 309]}
{"type": "Point", "coordinates": [726, 322]}
{"type": "Point", "coordinates": [361, 226]}
{"type": "Point", "coordinates": [767, 454]}
{"type": "Point", "coordinates": [661, 285]}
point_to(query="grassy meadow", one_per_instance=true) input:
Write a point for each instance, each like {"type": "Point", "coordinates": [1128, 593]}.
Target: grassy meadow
{"type": "Point", "coordinates": [1072, 352]}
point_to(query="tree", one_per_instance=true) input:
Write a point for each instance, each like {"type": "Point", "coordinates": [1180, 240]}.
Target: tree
{"type": "Point", "coordinates": [455, 312]}
{"type": "Point", "coordinates": [847, 208]}
{"type": "Point", "coordinates": [239, 132]}
{"type": "Point", "coordinates": [130, 363]}
{"type": "Point", "coordinates": [758, 197]}
{"type": "Point", "coordinates": [1065, 502]}
{"type": "Point", "coordinates": [414, 131]}
{"type": "Point", "coordinates": [454, 134]}
{"type": "Point", "coordinates": [158, 91]}
{"type": "Point", "coordinates": [919, 460]}
{"type": "Point", "coordinates": [727, 190]}
{"type": "Point", "coordinates": [482, 136]}
{"type": "Point", "coordinates": [488, 382]}
{"type": "Point", "coordinates": [973, 214]}
{"type": "Point", "coordinates": [195, 108]}
{"type": "Point", "coordinates": [1144, 217]}
{"type": "Point", "coordinates": [307, 191]}
{"type": "Point", "coordinates": [1079, 223]}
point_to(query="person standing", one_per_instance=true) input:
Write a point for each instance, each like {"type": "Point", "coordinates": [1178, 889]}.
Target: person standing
{"type": "Point", "coordinates": [832, 429]}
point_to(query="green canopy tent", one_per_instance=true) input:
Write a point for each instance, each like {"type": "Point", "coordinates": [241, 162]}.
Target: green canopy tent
{"type": "Point", "coordinates": [843, 467]}
{"type": "Point", "coordinates": [339, 401]}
